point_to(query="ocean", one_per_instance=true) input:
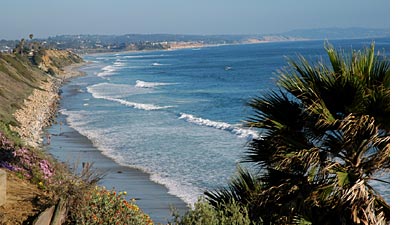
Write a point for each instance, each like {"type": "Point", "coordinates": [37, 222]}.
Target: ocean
{"type": "Point", "coordinates": [177, 115]}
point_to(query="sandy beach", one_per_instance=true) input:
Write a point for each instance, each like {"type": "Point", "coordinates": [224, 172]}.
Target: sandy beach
{"type": "Point", "coordinates": [67, 145]}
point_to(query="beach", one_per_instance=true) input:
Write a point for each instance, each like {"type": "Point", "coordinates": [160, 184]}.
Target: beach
{"type": "Point", "coordinates": [68, 145]}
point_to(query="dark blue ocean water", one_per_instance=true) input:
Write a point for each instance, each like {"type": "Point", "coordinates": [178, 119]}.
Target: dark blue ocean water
{"type": "Point", "coordinates": [177, 114]}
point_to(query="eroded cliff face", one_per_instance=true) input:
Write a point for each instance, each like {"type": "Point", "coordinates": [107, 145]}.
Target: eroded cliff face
{"type": "Point", "coordinates": [18, 78]}
{"type": "Point", "coordinates": [36, 113]}
{"type": "Point", "coordinates": [53, 61]}
{"type": "Point", "coordinates": [29, 93]}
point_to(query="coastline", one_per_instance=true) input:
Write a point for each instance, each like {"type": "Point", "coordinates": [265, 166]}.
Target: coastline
{"type": "Point", "coordinates": [194, 46]}
{"type": "Point", "coordinates": [69, 146]}
{"type": "Point", "coordinates": [41, 106]}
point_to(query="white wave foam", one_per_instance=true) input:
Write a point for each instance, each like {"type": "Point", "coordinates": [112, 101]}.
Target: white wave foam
{"type": "Point", "coordinates": [116, 90]}
{"type": "Point", "coordinates": [241, 132]}
{"type": "Point", "coordinates": [144, 84]}
{"type": "Point", "coordinates": [158, 64]}
{"type": "Point", "coordinates": [132, 56]}
{"type": "Point", "coordinates": [75, 117]}
{"type": "Point", "coordinates": [111, 69]}
{"type": "Point", "coordinates": [107, 71]}
{"type": "Point", "coordinates": [138, 105]}
{"type": "Point", "coordinates": [143, 56]}
{"type": "Point", "coordinates": [119, 64]}
{"type": "Point", "coordinates": [188, 193]}
{"type": "Point", "coordinates": [183, 190]}
{"type": "Point", "coordinates": [124, 102]}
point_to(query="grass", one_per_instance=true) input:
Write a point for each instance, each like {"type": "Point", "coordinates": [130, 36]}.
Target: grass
{"type": "Point", "coordinates": [18, 78]}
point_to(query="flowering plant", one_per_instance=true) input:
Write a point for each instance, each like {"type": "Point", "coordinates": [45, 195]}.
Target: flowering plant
{"type": "Point", "coordinates": [109, 207]}
{"type": "Point", "coordinates": [24, 161]}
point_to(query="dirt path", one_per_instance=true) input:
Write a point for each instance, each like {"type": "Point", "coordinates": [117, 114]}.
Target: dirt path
{"type": "Point", "coordinates": [24, 201]}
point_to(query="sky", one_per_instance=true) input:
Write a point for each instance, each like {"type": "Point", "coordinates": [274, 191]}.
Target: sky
{"type": "Point", "coordinates": [46, 18]}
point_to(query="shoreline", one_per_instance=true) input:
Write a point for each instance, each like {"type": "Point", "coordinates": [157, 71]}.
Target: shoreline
{"type": "Point", "coordinates": [41, 106]}
{"type": "Point", "coordinates": [69, 146]}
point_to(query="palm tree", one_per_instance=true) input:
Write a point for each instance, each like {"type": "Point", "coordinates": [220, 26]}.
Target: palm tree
{"type": "Point", "coordinates": [21, 46]}
{"type": "Point", "coordinates": [31, 44]}
{"type": "Point", "coordinates": [325, 137]}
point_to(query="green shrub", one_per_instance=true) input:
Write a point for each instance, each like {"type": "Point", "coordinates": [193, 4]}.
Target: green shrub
{"type": "Point", "coordinates": [37, 59]}
{"type": "Point", "coordinates": [204, 213]}
{"type": "Point", "coordinates": [101, 206]}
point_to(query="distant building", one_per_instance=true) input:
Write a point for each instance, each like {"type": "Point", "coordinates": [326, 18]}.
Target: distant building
{"type": "Point", "coordinates": [5, 49]}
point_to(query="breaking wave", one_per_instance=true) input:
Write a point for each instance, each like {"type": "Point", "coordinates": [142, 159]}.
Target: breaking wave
{"type": "Point", "coordinates": [136, 105]}
{"type": "Point", "coordinates": [241, 132]}
{"type": "Point", "coordinates": [144, 84]}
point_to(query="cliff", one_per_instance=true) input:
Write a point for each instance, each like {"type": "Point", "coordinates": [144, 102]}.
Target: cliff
{"type": "Point", "coordinates": [39, 107]}
{"type": "Point", "coordinates": [40, 190]}
{"type": "Point", "coordinates": [28, 99]}
{"type": "Point", "coordinates": [53, 61]}
{"type": "Point", "coordinates": [19, 77]}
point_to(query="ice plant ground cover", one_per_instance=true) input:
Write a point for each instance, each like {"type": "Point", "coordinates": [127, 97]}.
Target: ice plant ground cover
{"type": "Point", "coordinates": [26, 162]}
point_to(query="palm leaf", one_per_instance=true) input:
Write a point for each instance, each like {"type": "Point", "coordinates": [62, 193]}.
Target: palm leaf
{"type": "Point", "coordinates": [242, 189]}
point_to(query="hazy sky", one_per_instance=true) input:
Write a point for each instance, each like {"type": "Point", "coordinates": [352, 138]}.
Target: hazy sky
{"type": "Point", "coordinates": [46, 18]}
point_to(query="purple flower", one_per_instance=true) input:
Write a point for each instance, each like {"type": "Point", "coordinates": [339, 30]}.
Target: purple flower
{"type": "Point", "coordinates": [7, 165]}
{"type": "Point", "coordinates": [46, 169]}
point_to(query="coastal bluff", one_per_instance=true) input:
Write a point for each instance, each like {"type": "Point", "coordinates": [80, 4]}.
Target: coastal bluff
{"type": "Point", "coordinates": [28, 100]}
{"type": "Point", "coordinates": [29, 93]}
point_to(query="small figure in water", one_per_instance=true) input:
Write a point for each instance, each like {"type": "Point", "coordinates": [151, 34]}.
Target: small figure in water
{"type": "Point", "coordinates": [48, 138]}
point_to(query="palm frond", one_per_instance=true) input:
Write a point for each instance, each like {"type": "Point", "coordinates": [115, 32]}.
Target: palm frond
{"type": "Point", "coordinates": [243, 188]}
{"type": "Point", "coordinates": [336, 59]}
{"type": "Point", "coordinates": [275, 111]}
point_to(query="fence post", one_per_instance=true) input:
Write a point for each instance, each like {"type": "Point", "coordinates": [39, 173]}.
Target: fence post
{"type": "Point", "coordinates": [3, 187]}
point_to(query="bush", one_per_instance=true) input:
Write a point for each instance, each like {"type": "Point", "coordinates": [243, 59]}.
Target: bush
{"type": "Point", "coordinates": [204, 213]}
{"type": "Point", "coordinates": [101, 206]}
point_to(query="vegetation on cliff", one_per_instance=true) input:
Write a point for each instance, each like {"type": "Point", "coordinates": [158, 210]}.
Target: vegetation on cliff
{"type": "Point", "coordinates": [21, 74]}
{"type": "Point", "coordinates": [18, 78]}
{"type": "Point", "coordinates": [29, 81]}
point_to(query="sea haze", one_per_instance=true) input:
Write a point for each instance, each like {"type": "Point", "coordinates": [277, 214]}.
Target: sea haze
{"type": "Point", "coordinates": [177, 115]}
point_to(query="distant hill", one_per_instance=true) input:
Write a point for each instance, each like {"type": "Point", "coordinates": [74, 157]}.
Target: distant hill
{"type": "Point", "coordinates": [115, 43]}
{"type": "Point", "coordinates": [337, 33]}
